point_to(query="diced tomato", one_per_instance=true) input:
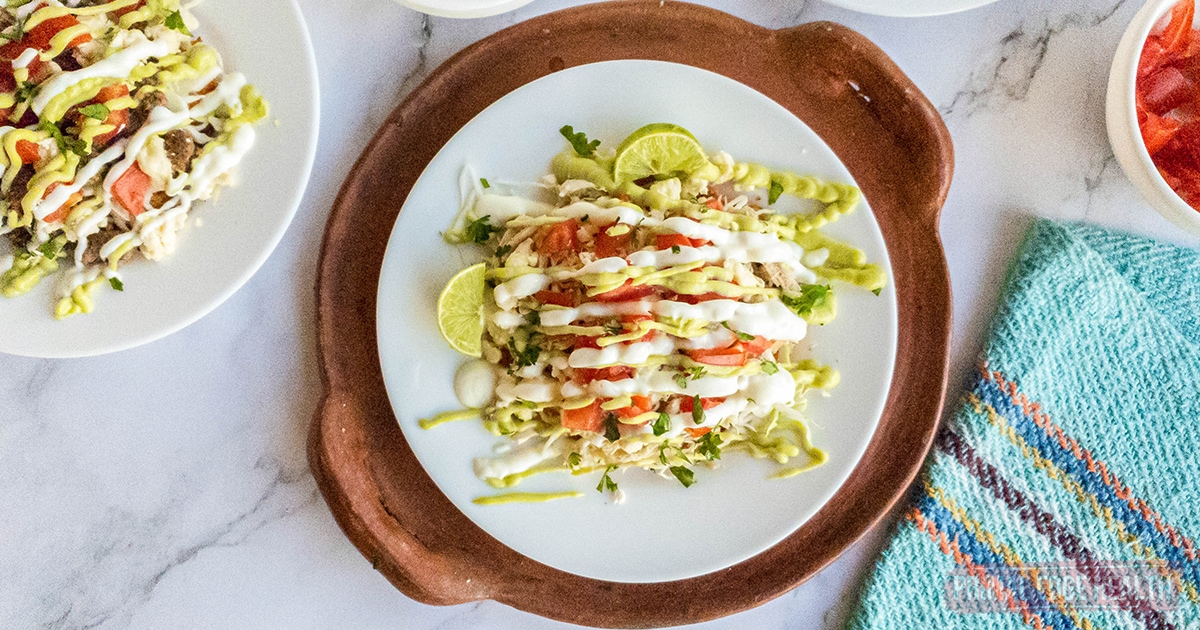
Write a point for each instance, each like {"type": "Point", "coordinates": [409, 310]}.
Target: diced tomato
{"type": "Point", "coordinates": [118, 118]}
{"type": "Point", "coordinates": [61, 213]}
{"type": "Point", "coordinates": [129, 9]}
{"type": "Point", "coordinates": [703, 297]}
{"type": "Point", "coordinates": [586, 342]}
{"type": "Point", "coordinates": [687, 404]}
{"type": "Point", "coordinates": [626, 292]}
{"type": "Point", "coordinates": [612, 373]}
{"type": "Point", "coordinates": [1165, 90]}
{"type": "Point", "coordinates": [715, 203]}
{"type": "Point", "coordinates": [724, 357]}
{"type": "Point", "coordinates": [1153, 57]}
{"type": "Point", "coordinates": [755, 347]}
{"type": "Point", "coordinates": [1178, 34]}
{"type": "Point", "coordinates": [559, 238]}
{"type": "Point", "coordinates": [667, 241]}
{"type": "Point", "coordinates": [28, 151]}
{"type": "Point", "coordinates": [698, 431]}
{"type": "Point", "coordinates": [639, 406]}
{"type": "Point", "coordinates": [612, 246]}
{"type": "Point", "coordinates": [1157, 131]}
{"type": "Point", "coordinates": [39, 37]}
{"type": "Point", "coordinates": [589, 418]}
{"type": "Point", "coordinates": [554, 297]}
{"type": "Point", "coordinates": [131, 189]}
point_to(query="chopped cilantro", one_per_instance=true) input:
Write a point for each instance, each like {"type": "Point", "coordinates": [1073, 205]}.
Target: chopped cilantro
{"type": "Point", "coordinates": [684, 475]}
{"type": "Point", "coordinates": [740, 335]}
{"type": "Point", "coordinates": [533, 318]}
{"type": "Point", "coordinates": [697, 410]}
{"type": "Point", "coordinates": [526, 356]}
{"type": "Point", "coordinates": [584, 218]}
{"type": "Point", "coordinates": [812, 297]}
{"type": "Point", "coordinates": [479, 230]}
{"type": "Point", "coordinates": [51, 249]}
{"type": "Point", "coordinates": [695, 372]}
{"type": "Point", "coordinates": [579, 141]}
{"type": "Point", "coordinates": [775, 192]}
{"type": "Point", "coordinates": [483, 181]}
{"type": "Point", "coordinates": [681, 381]}
{"type": "Point", "coordinates": [709, 446]}
{"type": "Point", "coordinates": [65, 143]}
{"type": "Point", "coordinates": [606, 482]}
{"type": "Point", "coordinates": [675, 249]}
{"type": "Point", "coordinates": [613, 327]}
{"type": "Point", "coordinates": [116, 284]}
{"type": "Point", "coordinates": [770, 367]}
{"type": "Point", "coordinates": [503, 251]}
{"type": "Point", "coordinates": [661, 425]}
{"type": "Point", "coordinates": [612, 430]}
{"type": "Point", "coordinates": [26, 91]}
{"type": "Point", "coordinates": [877, 291]}
{"type": "Point", "coordinates": [175, 22]}
{"type": "Point", "coordinates": [97, 111]}
{"type": "Point", "coordinates": [574, 459]}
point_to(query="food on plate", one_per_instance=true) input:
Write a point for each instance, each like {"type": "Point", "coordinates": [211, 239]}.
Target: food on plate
{"type": "Point", "coordinates": [645, 308]}
{"type": "Point", "coordinates": [116, 120]}
{"type": "Point", "coordinates": [1167, 93]}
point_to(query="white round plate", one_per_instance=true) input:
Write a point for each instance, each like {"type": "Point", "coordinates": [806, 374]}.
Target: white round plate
{"type": "Point", "coordinates": [909, 8]}
{"type": "Point", "coordinates": [662, 531]}
{"type": "Point", "coordinates": [236, 231]}
{"type": "Point", "coordinates": [464, 8]}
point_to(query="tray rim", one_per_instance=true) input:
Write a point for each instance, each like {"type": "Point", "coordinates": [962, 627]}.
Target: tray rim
{"type": "Point", "coordinates": [363, 529]}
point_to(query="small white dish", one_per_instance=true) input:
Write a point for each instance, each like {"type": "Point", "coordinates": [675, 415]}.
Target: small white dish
{"type": "Point", "coordinates": [1123, 132]}
{"type": "Point", "coordinates": [663, 531]}
{"type": "Point", "coordinates": [227, 238]}
{"type": "Point", "coordinates": [464, 8]}
{"type": "Point", "coordinates": [909, 8]}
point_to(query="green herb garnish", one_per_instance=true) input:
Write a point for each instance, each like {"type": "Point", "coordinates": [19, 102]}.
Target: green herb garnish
{"type": "Point", "coordinates": [613, 327]}
{"type": "Point", "coordinates": [97, 111]}
{"type": "Point", "coordinates": [484, 182]}
{"type": "Point", "coordinates": [479, 230]}
{"type": "Point", "coordinates": [684, 475]}
{"type": "Point", "coordinates": [661, 425]}
{"type": "Point", "coordinates": [811, 297]}
{"type": "Point", "coordinates": [503, 251]}
{"type": "Point", "coordinates": [877, 291]}
{"type": "Point", "coordinates": [579, 141]}
{"type": "Point", "coordinates": [770, 367]}
{"type": "Point", "coordinates": [775, 192]}
{"type": "Point", "coordinates": [740, 335]}
{"type": "Point", "coordinates": [26, 91]}
{"type": "Point", "coordinates": [574, 459]}
{"type": "Point", "coordinates": [709, 446]}
{"type": "Point", "coordinates": [65, 143]}
{"type": "Point", "coordinates": [175, 22]}
{"type": "Point", "coordinates": [681, 381]}
{"type": "Point", "coordinates": [612, 430]}
{"type": "Point", "coordinates": [52, 248]}
{"type": "Point", "coordinates": [695, 372]}
{"type": "Point", "coordinates": [697, 410]}
{"type": "Point", "coordinates": [526, 356]}
{"type": "Point", "coordinates": [675, 249]}
{"type": "Point", "coordinates": [606, 482]}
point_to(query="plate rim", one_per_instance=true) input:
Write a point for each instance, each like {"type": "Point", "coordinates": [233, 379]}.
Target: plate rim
{"type": "Point", "coordinates": [309, 158]}
{"type": "Point", "coordinates": [891, 314]}
{"type": "Point", "coordinates": [367, 474]}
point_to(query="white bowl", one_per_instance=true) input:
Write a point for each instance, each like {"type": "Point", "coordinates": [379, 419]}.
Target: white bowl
{"type": "Point", "coordinates": [1123, 131]}
{"type": "Point", "coordinates": [464, 8]}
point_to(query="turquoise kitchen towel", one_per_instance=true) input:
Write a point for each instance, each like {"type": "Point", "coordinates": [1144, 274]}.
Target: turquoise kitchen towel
{"type": "Point", "coordinates": [1064, 491]}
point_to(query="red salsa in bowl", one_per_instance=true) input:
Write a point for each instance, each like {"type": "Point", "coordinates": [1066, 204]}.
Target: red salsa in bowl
{"type": "Point", "coordinates": [1168, 97]}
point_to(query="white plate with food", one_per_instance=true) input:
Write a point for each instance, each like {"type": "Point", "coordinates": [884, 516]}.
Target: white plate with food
{"type": "Point", "coordinates": [156, 180]}
{"type": "Point", "coordinates": [662, 291]}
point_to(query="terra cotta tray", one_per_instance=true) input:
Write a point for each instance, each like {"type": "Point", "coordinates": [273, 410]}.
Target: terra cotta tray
{"type": "Point", "coordinates": [847, 90]}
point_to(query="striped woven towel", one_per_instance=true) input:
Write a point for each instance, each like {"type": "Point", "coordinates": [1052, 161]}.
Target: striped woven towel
{"type": "Point", "coordinates": [1065, 491]}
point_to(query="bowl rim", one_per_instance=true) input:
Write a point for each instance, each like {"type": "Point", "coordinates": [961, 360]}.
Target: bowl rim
{"type": "Point", "coordinates": [1123, 129]}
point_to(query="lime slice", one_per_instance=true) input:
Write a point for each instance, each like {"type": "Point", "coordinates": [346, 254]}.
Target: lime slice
{"type": "Point", "coordinates": [460, 310]}
{"type": "Point", "coordinates": [659, 149]}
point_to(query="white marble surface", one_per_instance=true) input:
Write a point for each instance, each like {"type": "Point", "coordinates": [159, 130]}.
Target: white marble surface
{"type": "Point", "coordinates": [167, 487]}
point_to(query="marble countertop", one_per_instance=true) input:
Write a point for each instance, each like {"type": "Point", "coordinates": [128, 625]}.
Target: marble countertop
{"type": "Point", "coordinates": [167, 486]}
